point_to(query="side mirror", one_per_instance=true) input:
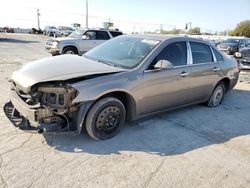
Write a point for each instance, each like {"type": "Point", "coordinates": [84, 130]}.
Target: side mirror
{"type": "Point", "coordinates": [238, 55]}
{"type": "Point", "coordinates": [163, 64]}
{"type": "Point", "coordinates": [85, 37]}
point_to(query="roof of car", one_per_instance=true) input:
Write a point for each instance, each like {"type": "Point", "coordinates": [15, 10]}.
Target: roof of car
{"type": "Point", "coordinates": [162, 37]}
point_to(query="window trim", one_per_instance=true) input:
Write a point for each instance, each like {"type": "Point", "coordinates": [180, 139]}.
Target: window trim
{"type": "Point", "coordinates": [213, 56]}
{"type": "Point", "coordinates": [187, 63]}
{"type": "Point", "coordinates": [213, 49]}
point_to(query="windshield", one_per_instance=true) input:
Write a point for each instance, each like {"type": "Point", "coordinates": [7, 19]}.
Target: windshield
{"type": "Point", "coordinates": [125, 52]}
{"type": "Point", "coordinates": [231, 41]}
{"type": "Point", "coordinates": [77, 34]}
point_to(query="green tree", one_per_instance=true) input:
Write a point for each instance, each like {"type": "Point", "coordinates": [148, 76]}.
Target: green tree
{"type": "Point", "coordinates": [172, 32]}
{"type": "Point", "coordinates": [195, 30]}
{"type": "Point", "coordinates": [242, 29]}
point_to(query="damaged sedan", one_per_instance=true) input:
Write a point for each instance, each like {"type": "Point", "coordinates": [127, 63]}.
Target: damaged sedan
{"type": "Point", "coordinates": [126, 78]}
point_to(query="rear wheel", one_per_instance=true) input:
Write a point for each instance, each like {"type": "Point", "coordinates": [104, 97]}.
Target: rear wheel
{"type": "Point", "coordinates": [105, 118]}
{"type": "Point", "coordinates": [217, 96]}
{"type": "Point", "coordinates": [69, 50]}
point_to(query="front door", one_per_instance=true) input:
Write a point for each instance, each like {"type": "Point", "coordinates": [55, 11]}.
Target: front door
{"type": "Point", "coordinates": [166, 88]}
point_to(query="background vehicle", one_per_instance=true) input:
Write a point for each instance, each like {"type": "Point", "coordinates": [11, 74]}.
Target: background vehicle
{"type": "Point", "coordinates": [49, 30]}
{"type": "Point", "coordinates": [79, 41]}
{"type": "Point", "coordinates": [8, 30]}
{"type": "Point", "coordinates": [63, 31]}
{"type": "Point", "coordinates": [244, 57]}
{"type": "Point", "coordinates": [36, 31]}
{"type": "Point", "coordinates": [230, 46]}
{"type": "Point", "coordinates": [126, 78]}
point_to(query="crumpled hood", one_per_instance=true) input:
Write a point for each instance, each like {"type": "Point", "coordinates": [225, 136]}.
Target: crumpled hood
{"type": "Point", "coordinates": [58, 68]}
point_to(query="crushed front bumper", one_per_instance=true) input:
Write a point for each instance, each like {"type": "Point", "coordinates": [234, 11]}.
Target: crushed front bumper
{"type": "Point", "coordinates": [30, 112]}
{"type": "Point", "coordinates": [27, 117]}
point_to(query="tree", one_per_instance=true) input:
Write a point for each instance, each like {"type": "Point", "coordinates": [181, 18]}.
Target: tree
{"type": "Point", "coordinates": [242, 29]}
{"type": "Point", "coordinates": [172, 32]}
{"type": "Point", "coordinates": [195, 30]}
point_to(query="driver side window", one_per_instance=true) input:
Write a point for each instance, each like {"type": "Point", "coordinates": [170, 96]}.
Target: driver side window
{"type": "Point", "coordinates": [91, 35]}
{"type": "Point", "coordinates": [175, 53]}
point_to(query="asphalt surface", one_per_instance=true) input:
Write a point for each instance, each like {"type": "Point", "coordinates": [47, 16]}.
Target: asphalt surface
{"type": "Point", "coordinates": [193, 147]}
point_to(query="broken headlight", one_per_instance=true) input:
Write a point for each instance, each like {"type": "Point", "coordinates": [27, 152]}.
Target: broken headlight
{"type": "Point", "coordinates": [57, 97]}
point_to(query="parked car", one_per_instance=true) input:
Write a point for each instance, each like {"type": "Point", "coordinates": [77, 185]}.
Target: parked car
{"type": "Point", "coordinates": [231, 45]}
{"type": "Point", "coordinates": [243, 57]}
{"type": "Point", "coordinates": [36, 31]}
{"type": "Point", "coordinates": [79, 42]}
{"type": "Point", "coordinates": [126, 78]}
{"type": "Point", "coordinates": [50, 30]}
{"type": "Point", "coordinates": [8, 30]}
{"type": "Point", "coordinates": [63, 31]}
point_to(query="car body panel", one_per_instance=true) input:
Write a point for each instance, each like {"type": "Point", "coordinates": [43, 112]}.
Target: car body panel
{"type": "Point", "coordinates": [147, 91]}
{"type": "Point", "coordinates": [58, 68]}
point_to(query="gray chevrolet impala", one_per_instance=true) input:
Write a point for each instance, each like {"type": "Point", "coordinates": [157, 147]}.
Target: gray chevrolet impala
{"type": "Point", "coordinates": [126, 78]}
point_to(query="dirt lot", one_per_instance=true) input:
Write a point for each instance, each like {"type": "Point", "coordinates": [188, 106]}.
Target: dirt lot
{"type": "Point", "coordinates": [192, 147]}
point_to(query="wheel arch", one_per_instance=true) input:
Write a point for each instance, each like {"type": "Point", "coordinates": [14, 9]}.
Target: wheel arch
{"type": "Point", "coordinates": [71, 46]}
{"type": "Point", "coordinates": [127, 100]}
{"type": "Point", "coordinates": [226, 81]}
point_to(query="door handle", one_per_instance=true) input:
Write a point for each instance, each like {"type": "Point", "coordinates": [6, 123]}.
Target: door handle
{"type": "Point", "coordinates": [184, 74]}
{"type": "Point", "coordinates": [216, 69]}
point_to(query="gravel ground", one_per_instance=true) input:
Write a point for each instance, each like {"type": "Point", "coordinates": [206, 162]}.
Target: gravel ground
{"type": "Point", "coordinates": [192, 147]}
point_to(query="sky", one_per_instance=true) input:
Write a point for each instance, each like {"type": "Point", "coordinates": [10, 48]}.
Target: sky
{"type": "Point", "coordinates": [127, 15]}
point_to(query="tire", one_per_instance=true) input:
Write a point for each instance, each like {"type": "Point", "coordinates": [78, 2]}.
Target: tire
{"type": "Point", "coordinates": [105, 119]}
{"type": "Point", "coordinates": [69, 50]}
{"type": "Point", "coordinates": [218, 95]}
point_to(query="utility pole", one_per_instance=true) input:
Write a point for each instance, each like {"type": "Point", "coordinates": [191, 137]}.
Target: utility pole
{"type": "Point", "coordinates": [190, 25]}
{"type": "Point", "coordinates": [38, 18]}
{"type": "Point", "coordinates": [87, 14]}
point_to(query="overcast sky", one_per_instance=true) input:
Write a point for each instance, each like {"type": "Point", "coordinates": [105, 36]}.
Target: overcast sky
{"type": "Point", "coordinates": [128, 15]}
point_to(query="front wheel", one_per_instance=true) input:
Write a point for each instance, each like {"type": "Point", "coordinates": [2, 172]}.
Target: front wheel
{"type": "Point", "coordinates": [69, 50]}
{"type": "Point", "coordinates": [105, 118]}
{"type": "Point", "coordinates": [217, 96]}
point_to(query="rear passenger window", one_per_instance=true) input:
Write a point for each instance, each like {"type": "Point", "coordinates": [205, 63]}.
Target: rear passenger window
{"type": "Point", "coordinates": [217, 55]}
{"type": "Point", "coordinates": [176, 53]}
{"type": "Point", "coordinates": [201, 53]}
{"type": "Point", "coordinates": [102, 35]}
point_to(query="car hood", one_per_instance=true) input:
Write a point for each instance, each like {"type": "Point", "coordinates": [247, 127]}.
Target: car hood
{"type": "Point", "coordinates": [58, 68]}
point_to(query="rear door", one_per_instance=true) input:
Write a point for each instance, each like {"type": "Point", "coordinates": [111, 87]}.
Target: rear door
{"type": "Point", "coordinates": [205, 70]}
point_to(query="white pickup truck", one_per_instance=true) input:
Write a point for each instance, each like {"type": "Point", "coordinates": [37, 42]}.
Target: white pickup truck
{"type": "Point", "coordinates": [79, 42]}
